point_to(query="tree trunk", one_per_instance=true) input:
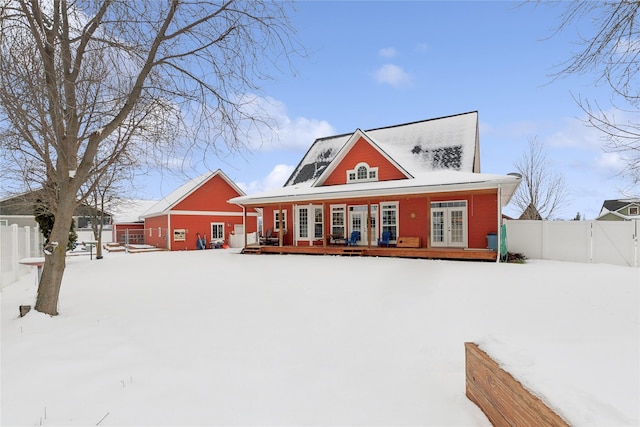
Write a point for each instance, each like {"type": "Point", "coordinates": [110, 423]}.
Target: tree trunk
{"type": "Point", "coordinates": [54, 265]}
{"type": "Point", "coordinates": [99, 239]}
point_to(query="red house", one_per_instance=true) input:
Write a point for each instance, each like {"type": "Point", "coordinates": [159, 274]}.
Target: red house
{"type": "Point", "coordinates": [198, 212]}
{"type": "Point", "coordinates": [416, 185]}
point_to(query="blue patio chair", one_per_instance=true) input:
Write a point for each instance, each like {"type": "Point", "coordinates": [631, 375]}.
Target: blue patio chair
{"type": "Point", "coordinates": [384, 240]}
{"type": "Point", "coordinates": [353, 239]}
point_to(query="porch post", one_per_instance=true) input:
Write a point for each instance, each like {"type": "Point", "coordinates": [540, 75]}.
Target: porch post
{"type": "Point", "coordinates": [499, 233]}
{"type": "Point", "coordinates": [324, 228]}
{"type": "Point", "coordinates": [244, 224]}
{"type": "Point", "coordinates": [368, 223]}
{"type": "Point", "coordinates": [428, 242]}
{"type": "Point", "coordinates": [281, 228]}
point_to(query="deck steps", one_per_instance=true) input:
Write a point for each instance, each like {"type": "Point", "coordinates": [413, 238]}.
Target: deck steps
{"type": "Point", "coordinates": [255, 250]}
{"type": "Point", "coordinates": [353, 251]}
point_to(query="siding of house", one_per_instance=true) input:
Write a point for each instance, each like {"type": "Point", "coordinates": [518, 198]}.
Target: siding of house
{"type": "Point", "coordinates": [414, 215]}
{"type": "Point", "coordinates": [194, 224]}
{"type": "Point", "coordinates": [119, 231]}
{"type": "Point", "coordinates": [362, 151]}
{"type": "Point", "coordinates": [210, 196]}
{"type": "Point", "coordinates": [610, 217]}
{"type": "Point", "coordinates": [195, 213]}
{"type": "Point", "coordinates": [156, 231]}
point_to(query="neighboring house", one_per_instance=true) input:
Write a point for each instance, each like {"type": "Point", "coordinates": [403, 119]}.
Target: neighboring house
{"type": "Point", "coordinates": [198, 209]}
{"type": "Point", "coordinates": [620, 210]}
{"type": "Point", "coordinates": [418, 180]}
{"type": "Point", "coordinates": [531, 213]}
{"type": "Point", "coordinates": [19, 210]}
{"type": "Point", "coordinates": [127, 226]}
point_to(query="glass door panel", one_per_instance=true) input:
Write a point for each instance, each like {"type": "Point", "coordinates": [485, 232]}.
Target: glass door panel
{"type": "Point", "coordinates": [449, 225]}
{"type": "Point", "coordinates": [437, 227]}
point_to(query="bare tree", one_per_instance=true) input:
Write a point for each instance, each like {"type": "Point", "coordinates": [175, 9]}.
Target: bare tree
{"type": "Point", "coordinates": [542, 192]}
{"type": "Point", "coordinates": [108, 193]}
{"type": "Point", "coordinates": [168, 75]}
{"type": "Point", "coordinates": [612, 50]}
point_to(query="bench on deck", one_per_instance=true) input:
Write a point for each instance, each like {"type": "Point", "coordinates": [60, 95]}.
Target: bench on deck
{"type": "Point", "coordinates": [408, 242]}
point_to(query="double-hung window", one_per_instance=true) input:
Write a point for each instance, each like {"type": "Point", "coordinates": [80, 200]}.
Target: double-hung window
{"type": "Point", "coordinates": [389, 214]}
{"type": "Point", "coordinates": [217, 231]}
{"type": "Point", "coordinates": [338, 221]}
{"type": "Point", "coordinates": [276, 220]}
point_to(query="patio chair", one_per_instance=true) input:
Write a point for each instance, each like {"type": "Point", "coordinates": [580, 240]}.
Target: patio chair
{"type": "Point", "coordinates": [268, 238]}
{"type": "Point", "coordinates": [384, 240]}
{"type": "Point", "coordinates": [353, 239]}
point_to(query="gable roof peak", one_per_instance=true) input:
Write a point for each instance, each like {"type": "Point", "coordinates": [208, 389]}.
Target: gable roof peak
{"type": "Point", "coordinates": [448, 142]}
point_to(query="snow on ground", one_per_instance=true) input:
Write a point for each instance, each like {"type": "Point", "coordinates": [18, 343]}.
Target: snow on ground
{"type": "Point", "coordinates": [218, 338]}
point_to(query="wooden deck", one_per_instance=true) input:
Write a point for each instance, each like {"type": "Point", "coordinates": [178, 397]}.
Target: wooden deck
{"type": "Point", "coordinates": [427, 253]}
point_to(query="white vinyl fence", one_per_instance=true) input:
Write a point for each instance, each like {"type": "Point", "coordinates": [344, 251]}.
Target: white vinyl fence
{"type": "Point", "coordinates": [237, 240]}
{"type": "Point", "coordinates": [609, 242]}
{"type": "Point", "coordinates": [17, 243]}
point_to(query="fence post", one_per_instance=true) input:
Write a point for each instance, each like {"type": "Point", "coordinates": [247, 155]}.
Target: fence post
{"type": "Point", "coordinates": [636, 255]}
{"type": "Point", "coordinates": [27, 241]}
{"type": "Point", "coordinates": [591, 238]}
{"type": "Point", "coordinates": [14, 251]}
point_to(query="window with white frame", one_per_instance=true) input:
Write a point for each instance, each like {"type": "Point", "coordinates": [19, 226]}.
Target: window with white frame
{"type": "Point", "coordinates": [362, 173]}
{"type": "Point", "coordinates": [318, 226]}
{"type": "Point", "coordinates": [217, 231]}
{"type": "Point", "coordinates": [338, 220]}
{"type": "Point", "coordinates": [4, 222]}
{"type": "Point", "coordinates": [633, 210]}
{"type": "Point", "coordinates": [276, 219]}
{"type": "Point", "coordinates": [389, 216]}
{"type": "Point", "coordinates": [309, 222]}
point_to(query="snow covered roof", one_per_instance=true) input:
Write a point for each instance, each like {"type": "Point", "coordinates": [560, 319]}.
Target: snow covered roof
{"type": "Point", "coordinates": [449, 142]}
{"type": "Point", "coordinates": [129, 211]}
{"type": "Point", "coordinates": [185, 190]}
{"type": "Point", "coordinates": [437, 181]}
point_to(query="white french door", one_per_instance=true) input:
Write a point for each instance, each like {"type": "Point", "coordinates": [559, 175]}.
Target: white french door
{"type": "Point", "coordinates": [309, 223]}
{"type": "Point", "coordinates": [358, 222]}
{"type": "Point", "coordinates": [449, 224]}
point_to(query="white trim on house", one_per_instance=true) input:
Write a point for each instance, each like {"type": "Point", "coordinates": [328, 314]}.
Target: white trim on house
{"type": "Point", "coordinates": [431, 182]}
{"type": "Point", "coordinates": [355, 137]}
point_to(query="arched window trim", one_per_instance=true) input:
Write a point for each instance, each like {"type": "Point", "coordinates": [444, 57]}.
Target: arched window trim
{"type": "Point", "coordinates": [371, 175]}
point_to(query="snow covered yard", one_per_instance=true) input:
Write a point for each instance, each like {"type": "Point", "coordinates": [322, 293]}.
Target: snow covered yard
{"type": "Point", "coordinates": [217, 338]}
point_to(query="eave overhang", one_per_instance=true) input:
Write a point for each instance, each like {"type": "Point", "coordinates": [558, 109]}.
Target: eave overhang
{"type": "Point", "coordinates": [404, 187]}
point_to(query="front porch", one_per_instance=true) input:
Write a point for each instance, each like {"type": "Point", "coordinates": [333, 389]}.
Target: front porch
{"type": "Point", "coordinates": [426, 253]}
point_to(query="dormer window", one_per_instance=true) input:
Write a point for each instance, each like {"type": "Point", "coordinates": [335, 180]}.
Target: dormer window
{"type": "Point", "coordinates": [362, 173]}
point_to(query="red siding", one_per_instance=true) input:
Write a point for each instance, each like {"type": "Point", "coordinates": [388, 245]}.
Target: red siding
{"type": "Point", "coordinates": [267, 221]}
{"type": "Point", "coordinates": [119, 231]}
{"type": "Point", "coordinates": [413, 219]}
{"type": "Point", "coordinates": [414, 215]}
{"type": "Point", "coordinates": [156, 231]}
{"type": "Point", "coordinates": [210, 196]}
{"type": "Point", "coordinates": [194, 224]}
{"type": "Point", "coordinates": [362, 151]}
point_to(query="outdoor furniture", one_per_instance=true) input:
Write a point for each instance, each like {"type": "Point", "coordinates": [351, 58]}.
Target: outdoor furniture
{"type": "Point", "coordinates": [384, 239]}
{"type": "Point", "coordinates": [35, 262]}
{"type": "Point", "coordinates": [353, 239]}
{"type": "Point", "coordinates": [408, 242]}
{"type": "Point", "coordinates": [336, 239]}
{"type": "Point", "coordinates": [269, 238]}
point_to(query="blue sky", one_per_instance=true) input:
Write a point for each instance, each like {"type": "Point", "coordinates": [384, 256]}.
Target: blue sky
{"type": "Point", "coordinates": [375, 64]}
